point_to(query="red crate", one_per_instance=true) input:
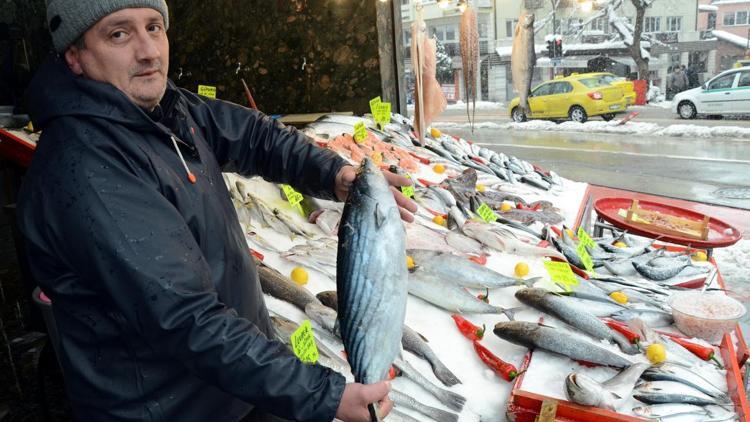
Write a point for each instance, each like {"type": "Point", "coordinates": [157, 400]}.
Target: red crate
{"type": "Point", "coordinates": [15, 149]}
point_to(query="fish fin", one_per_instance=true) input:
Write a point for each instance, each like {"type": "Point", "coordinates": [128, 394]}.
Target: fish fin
{"type": "Point", "coordinates": [379, 216]}
{"type": "Point", "coordinates": [531, 281]}
{"type": "Point", "coordinates": [422, 337]}
{"type": "Point", "coordinates": [511, 312]}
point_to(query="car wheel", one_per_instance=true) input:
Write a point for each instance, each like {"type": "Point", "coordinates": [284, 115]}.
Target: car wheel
{"type": "Point", "coordinates": [518, 115]}
{"type": "Point", "coordinates": [578, 114]}
{"type": "Point", "coordinates": [686, 110]}
{"type": "Point", "coordinates": [607, 117]}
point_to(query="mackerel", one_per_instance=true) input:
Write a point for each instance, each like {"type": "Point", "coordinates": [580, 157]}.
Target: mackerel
{"type": "Point", "coordinates": [505, 241]}
{"type": "Point", "coordinates": [279, 286]}
{"type": "Point", "coordinates": [671, 372]}
{"type": "Point", "coordinates": [659, 273]}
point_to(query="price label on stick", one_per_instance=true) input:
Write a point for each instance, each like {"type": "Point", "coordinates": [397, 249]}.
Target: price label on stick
{"type": "Point", "coordinates": [294, 198]}
{"type": "Point", "coordinates": [383, 114]}
{"type": "Point", "coordinates": [584, 238]}
{"type": "Point", "coordinates": [585, 257]}
{"type": "Point", "coordinates": [374, 105]}
{"type": "Point", "coordinates": [408, 191]}
{"type": "Point", "coordinates": [561, 273]}
{"type": "Point", "coordinates": [360, 132]}
{"type": "Point", "coordinates": [486, 213]}
{"type": "Point", "coordinates": [207, 91]}
{"type": "Point", "coordinates": [303, 343]}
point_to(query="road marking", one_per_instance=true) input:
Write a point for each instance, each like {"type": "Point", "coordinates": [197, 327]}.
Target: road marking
{"type": "Point", "coordinates": [634, 154]}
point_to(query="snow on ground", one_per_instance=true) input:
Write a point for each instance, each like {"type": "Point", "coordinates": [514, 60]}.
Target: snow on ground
{"type": "Point", "coordinates": [481, 105]}
{"type": "Point", "coordinates": [639, 128]}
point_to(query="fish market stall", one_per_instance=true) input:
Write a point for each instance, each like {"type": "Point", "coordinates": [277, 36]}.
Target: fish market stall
{"type": "Point", "coordinates": [489, 241]}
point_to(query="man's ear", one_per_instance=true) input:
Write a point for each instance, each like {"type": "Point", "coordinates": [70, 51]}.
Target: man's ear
{"type": "Point", "coordinates": [73, 58]}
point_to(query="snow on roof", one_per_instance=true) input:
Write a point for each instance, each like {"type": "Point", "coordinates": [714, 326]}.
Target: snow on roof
{"type": "Point", "coordinates": [720, 2]}
{"type": "Point", "coordinates": [707, 8]}
{"type": "Point", "coordinates": [609, 45]}
{"type": "Point", "coordinates": [729, 37]}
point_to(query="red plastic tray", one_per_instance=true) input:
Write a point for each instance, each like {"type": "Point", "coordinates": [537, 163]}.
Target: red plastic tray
{"type": "Point", "coordinates": [15, 149]}
{"type": "Point", "coordinates": [718, 236]}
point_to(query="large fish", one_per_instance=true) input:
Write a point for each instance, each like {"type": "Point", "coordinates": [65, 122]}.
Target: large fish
{"type": "Point", "coordinates": [610, 394]}
{"type": "Point", "coordinates": [561, 308]}
{"type": "Point", "coordinates": [659, 392]}
{"type": "Point", "coordinates": [469, 42]}
{"type": "Point", "coordinates": [371, 277]}
{"type": "Point", "coordinates": [523, 59]}
{"type": "Point", "coordinates": [532, 335]}
{"type": "Point", "coordinates": [279, 286]}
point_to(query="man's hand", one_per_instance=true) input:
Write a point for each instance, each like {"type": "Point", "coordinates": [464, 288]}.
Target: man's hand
{"type": "Point", "coordinates": [406, 206]}
{"type": "Point", "coordinates": [353, 405]}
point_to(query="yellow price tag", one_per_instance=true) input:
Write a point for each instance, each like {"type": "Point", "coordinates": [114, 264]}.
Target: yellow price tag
{"type": "Point", "coordinates": [486, 213]}
{"type": "Point", "coordinates": [408, 191]}
{"type": "Point", "coordinates": [585, 257]}
{"type": "Point", "coordinates": [383, 114]}
{"type": "Point", "coordinates": [360, 132]}
{"type": "Point", "coordinates": [561, 273]}
{"type": "Point", "coordinates": [374, 105]}
{"type": "Point", "coordinates": [294, 198]}
{"type": "Point", "coordinates": [207, 91]}
{"type": "Point", "coordinates": [303, 343]}
{"type": "Point", "coordinates": [584, 238]}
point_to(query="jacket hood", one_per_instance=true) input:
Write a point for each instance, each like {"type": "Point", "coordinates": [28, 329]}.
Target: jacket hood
{"type": "Point", "coordinates": [55, 91]}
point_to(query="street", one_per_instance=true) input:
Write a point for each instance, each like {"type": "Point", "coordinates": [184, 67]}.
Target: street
{"type": "Point", "coordinates": [714, 170]}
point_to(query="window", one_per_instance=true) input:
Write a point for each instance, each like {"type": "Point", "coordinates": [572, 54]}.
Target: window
{"type": "Point", "coordinates": [652, 24]}
{"type": "Point", "coordinates": [510, 27]}
{"type": "Point", "coordinates": [740, 18]}
{"type": "Point", "coordinates": [599, 24]}
{"type": "Point", "coordinates": [572, 25]}
{"type": "Point", "coordinates": [404, 2]}
{"type": "Point", "coordinates": [729, 19]}
{"type": "Point", "coordinates": [484, 27]}
{"type": "Point", "coordinates": [450, 33]}
{"type": "Point", "coordinates": [698, 61]}
{"type": "Point", "coordinates": [407, 37]}
{"type": "Point", "coordinates": [674, 23]}
{"type": "Point", "coordinates": [562, 88]}
{"type": "Point", "coordinates": [723, 82]}
{"type": "Point", "coordinates": [592, 82]}
{"type": "Point", "coordinates": [711, 21]}
{"type": "Point", "coordinates": [542, 90]}
{"type": "Point", "coordinates": [744, 79]}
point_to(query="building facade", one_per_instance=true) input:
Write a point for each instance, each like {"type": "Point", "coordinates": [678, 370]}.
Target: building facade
{"type": "Point", "coordinates": [728, 21]}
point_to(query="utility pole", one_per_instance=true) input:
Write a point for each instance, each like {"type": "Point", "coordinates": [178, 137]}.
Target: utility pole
{"type": "Point", "coordinates": [554, 35]}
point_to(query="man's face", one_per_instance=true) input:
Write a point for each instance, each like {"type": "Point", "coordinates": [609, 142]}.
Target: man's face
{"type": "Point", "coordinates": [128, 49]}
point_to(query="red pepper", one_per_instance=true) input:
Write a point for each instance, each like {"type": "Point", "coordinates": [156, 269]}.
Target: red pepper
{"type": "Point", "coordinates": [256, 254]}
{"type": "Point", "coordinates": [504, 369]}
{"type": "Point", "coordinates": [479, 259]}
{"type": "Point", "coordinates": [623, 329]}
{"type": "Point", "coordinates": [485, 297]}
{"type": "Point", "coordinates": [703, 352]}
{"type": "Point", "coordinates": [469, 330]}
{"type": "Point", "coordinates": [557, 231]}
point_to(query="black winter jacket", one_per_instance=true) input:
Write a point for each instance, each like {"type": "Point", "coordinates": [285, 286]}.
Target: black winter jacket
{"type": "Point", "coordinates": [155, 296]}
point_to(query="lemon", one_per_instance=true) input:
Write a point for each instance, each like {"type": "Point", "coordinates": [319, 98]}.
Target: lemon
{"type": "Point", "coordinates": [300, 276]}
{"type": "Point", "coordinates": [439, 220]}
{"type": "Point", "coordinates": [656, 353]}
{"type": "Point", "coordinates": [522, 269]}
{"type": "Point", "coordinates": [700, 256]}
{"type": "Point", "coordinates": [570, 233]}
{"type": "Point", "coordinates": [409, 262]}
{"type": "Point", "coordinates": [506, 207]}
{"type": "Point", "coordinates": [620, 245]}
{"type": "Point", "coordinates": [480, 187]}
{"type": "Point", "coordinates": [439, 168]}
{"type": "Point", "coordinates": [619, 297]}
{"type": "Point", "coordinates": [436, 133]}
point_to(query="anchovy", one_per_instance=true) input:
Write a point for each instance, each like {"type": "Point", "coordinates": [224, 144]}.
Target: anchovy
{"type": "Point", "coordinates": [532, 335]}
{"type": "Point", "coordinates": [277, 285]}
{"type": "Point", "coordinates": [450, 399]}
{"type": "Point", "coordinates": [654, 318]}
{"type": "Point", "coordinates": [656, 392]}
{"type": "Point", "coordinates": [462, 271]}
{"type": "Point", "coordinates": [677, 373]}
{"type": "Point", "coordinates": [371, 277]}
{"type": "Point", "coordinates": [402, 400]}
{"type": "Point", "coordinates": [579, 318]}
{"type": "Point", "coordinates": [444, 293]}
{"type": "Point", "coordinates": [581, 389]}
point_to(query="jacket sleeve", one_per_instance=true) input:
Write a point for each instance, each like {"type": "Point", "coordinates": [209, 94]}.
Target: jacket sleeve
{"type": "Point", "coordinates": [133, 246]}
{"type": "Point", "coordinates": [249, 142]}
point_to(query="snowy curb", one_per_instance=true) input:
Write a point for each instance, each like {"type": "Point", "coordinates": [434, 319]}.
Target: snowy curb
{"type": "Point", "coordinates": [651, 129]}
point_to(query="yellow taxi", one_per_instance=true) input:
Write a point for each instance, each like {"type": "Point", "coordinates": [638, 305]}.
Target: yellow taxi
{"type": "Point", "coordinates": [628, 89]}
{"type": "Point", "coordinates": [575, 97]}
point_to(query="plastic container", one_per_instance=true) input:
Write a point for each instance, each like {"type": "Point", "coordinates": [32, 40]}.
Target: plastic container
{"type": "Point", "coordinates": [706, 315]}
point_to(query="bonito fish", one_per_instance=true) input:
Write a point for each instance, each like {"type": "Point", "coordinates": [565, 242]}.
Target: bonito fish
{"type": "Point", "coordinates": [523, 59]}
{"type": "Point", "coordinates": [371, 277]}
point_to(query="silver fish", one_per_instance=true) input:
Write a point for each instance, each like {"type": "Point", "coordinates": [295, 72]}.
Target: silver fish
{"type": "Point", "coordinates": [450, 399]}
{"type": "Point", "coordinates": [462, 271]}
{"type": "Point", "coordinates": [371, 277]}
{"type": "Point", "coordinates": [581, 389]}
{"type": "Point", "coordinates": [463, 243]}
{"type": "Point", "coordinates": [293, 225]}
{"type": "Point", "coordinates": [324, 316]}
{"type": "Point", "coordinates": [540, 336]}
{"type": "Point", "coordinates": [683, 412]}
{"type": "Point", "coordinates": [656, 392]}
{"type": "Point", "coordinates": [402, 400]}
{"type": "Point", "coordinates": [309, 262]}
{"type": "Point", "coordinates": [652, 317]}
{"type": "Point", "coordinates": [659, 273]}
{"type": "Point", "coordinates": [444, 293]}
{"type": "Point", "coordinates": [504, 241]}
{"type": "Point", "coordinates": [268, 217]}
{"type": "Point", "coordinates": [671, 372]}
{"type": "Point", "coordinates": [579, 318]}
{"type": "Point", "coordinates": [397, 416]}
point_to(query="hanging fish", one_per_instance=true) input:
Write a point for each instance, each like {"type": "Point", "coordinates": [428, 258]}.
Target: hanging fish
{"type": "Point", "coordinates": [469, 39]}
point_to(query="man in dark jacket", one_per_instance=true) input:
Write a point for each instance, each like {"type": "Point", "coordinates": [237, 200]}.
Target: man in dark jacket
{"type": "Point", "coordinates": [131, 232]}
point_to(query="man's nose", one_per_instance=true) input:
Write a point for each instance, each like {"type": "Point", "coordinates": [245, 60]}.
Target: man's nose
{"type": "Point", "coordinates": [147, 48]}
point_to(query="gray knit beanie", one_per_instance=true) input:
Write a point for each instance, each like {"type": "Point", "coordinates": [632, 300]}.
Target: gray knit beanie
{"type": "Point", "coordinates": [69, 19]}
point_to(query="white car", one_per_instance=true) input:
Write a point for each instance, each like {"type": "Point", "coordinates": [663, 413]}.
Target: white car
{"type": "Point", "coordinates": [726, 93]}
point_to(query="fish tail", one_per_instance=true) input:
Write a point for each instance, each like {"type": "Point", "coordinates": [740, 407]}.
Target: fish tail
{"type": "Point", "coordinates": [510, 312]}
{"type": "Point", "coordinates": [529, 282]}
{"type": "Point", "coordinates": [451, 400]}
{"type": "Point", "coordinates": [444, 374]}
{"type": "Point", "coordinates": [374, 413]}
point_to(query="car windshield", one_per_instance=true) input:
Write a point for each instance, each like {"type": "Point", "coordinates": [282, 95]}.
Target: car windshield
{"type": "Point", "coordinates": [592, 82]}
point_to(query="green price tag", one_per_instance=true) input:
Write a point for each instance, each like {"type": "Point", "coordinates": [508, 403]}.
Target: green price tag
{"type": "Point", "coordinates": [360, 132]}
{"type": "Point", "coordinates": [383, 114]}
{"type": "Point", "coordinates": [486, 213]}
{"type": "Point", "coordinates": [585, 257]}
{"type": "Point", "coordinates": [294, 198]}
{"type": "Point", "coordinates": [408, 191]}
{"type": "Point", "coordinates": [584, 238]}
{"type": "Point", "coordinates": [303, 343]}
{"type": "Point", "coordinates": [561, 273]}
{"type": "Point", "coordinates": [207, 91]}
{"type": "Point", "coordinates": [374, 105]}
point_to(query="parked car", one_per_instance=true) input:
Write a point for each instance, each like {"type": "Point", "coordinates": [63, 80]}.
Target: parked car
{"type": "Point", "coordinates": [576, 97]}
{"type": "Point", "coordinates": [726, 93]}
{"type": "Point", "coordinates": [627, 86]}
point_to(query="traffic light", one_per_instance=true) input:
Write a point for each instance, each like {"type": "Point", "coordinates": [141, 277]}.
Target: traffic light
{"type": "Point", "coordinates": [558, 47]}
{"type": "Point", "coordinates": [551, 49]}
